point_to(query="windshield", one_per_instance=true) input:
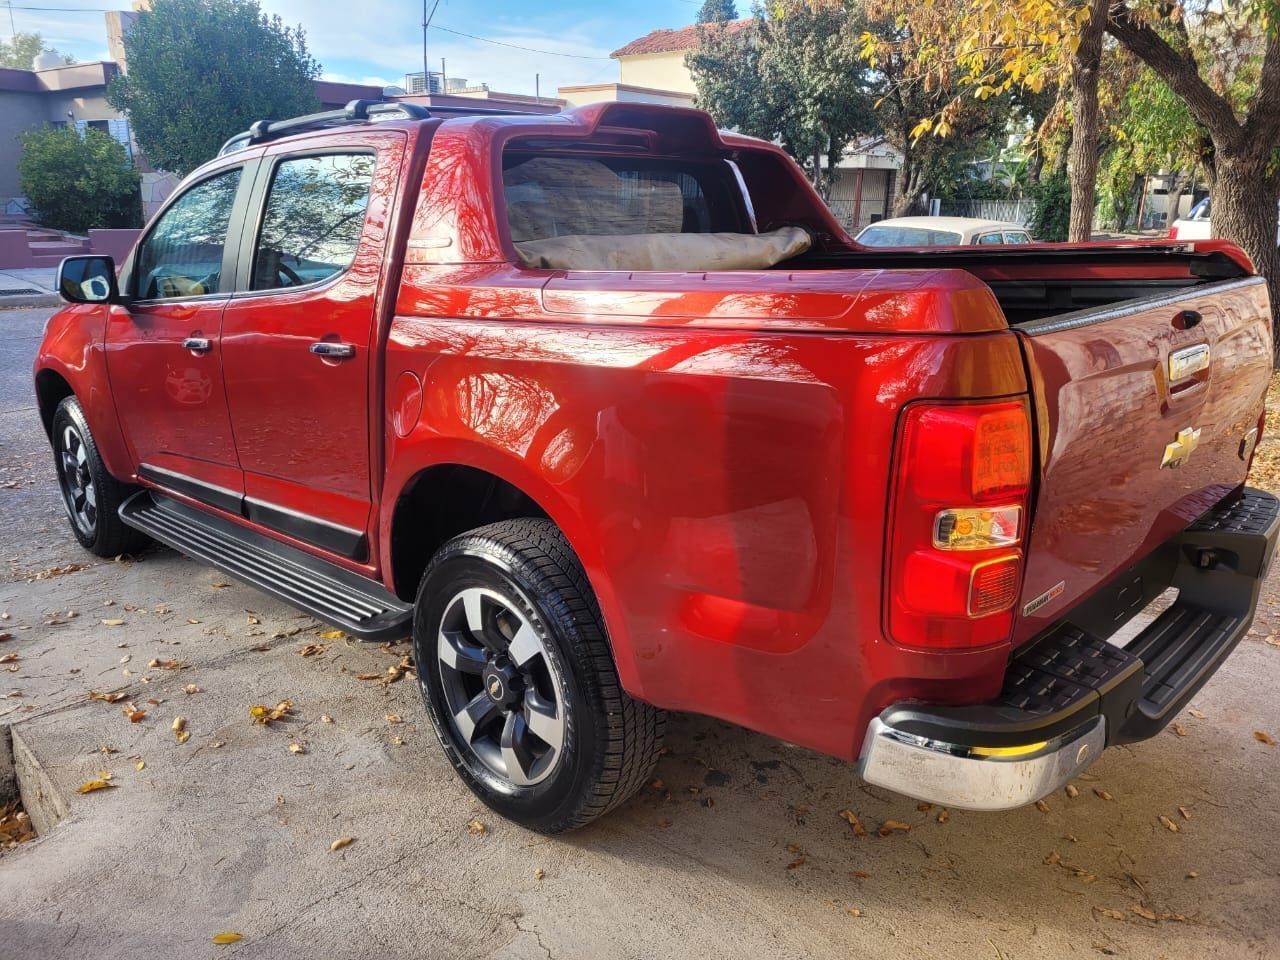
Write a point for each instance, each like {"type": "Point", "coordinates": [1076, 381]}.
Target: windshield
{"type": "Point", "coordinates": [888, 236]}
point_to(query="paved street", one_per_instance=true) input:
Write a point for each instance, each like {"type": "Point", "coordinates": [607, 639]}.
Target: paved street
{"type": "Point", "coordinates": [738, 851]}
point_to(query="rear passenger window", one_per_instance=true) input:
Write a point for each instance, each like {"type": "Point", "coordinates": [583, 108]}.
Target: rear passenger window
{"type": "Point", "coordinates": [313, 220]}
{"type": "Point", "coordinates": [988, 238]}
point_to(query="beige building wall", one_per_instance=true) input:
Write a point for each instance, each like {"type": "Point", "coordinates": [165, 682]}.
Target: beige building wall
{"type": "Point", "coordinates": [617, 92]}
{"type": "Point", "coordinates": [660, 71]}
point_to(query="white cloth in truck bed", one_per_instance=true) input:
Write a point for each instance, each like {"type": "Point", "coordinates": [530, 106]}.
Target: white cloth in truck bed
{"type": "Point", "coordinates": [694, 252]}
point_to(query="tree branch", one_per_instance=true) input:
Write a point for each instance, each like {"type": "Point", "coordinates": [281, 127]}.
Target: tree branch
{"type": "Point", "coordinates": [1180, 72]}
{"type": "Point", "coordinates": [1263, 121]}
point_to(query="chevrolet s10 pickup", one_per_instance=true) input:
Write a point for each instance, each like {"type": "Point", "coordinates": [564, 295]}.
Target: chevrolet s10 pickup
{"type": "Point", "coordinates": [608, 412]}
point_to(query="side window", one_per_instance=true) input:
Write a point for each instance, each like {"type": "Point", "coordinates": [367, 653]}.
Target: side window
{"type": "Point", "coordinates": [1016, 236]}
{"type": "Point", "coordinates": [313, 220]}
{"type": "Point", "coordinates": [182, 255]}
{"type": "Point", "coordinates": [988, 238]}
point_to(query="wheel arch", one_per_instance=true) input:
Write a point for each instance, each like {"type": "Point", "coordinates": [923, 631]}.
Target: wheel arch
{"type": "Point", "coordinates": [51, 389]}
{"type": "Point", "coordinates": [457, 494]}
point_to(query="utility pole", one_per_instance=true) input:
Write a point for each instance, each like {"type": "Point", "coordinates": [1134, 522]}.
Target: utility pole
{"type": "Point", "coordinates": [13, 30]}
{"type": "Point", "coordinates": [426, 22]}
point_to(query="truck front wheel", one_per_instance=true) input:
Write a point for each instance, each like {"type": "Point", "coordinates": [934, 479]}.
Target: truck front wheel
{"type": "Point", "coordinates": [519, 680]}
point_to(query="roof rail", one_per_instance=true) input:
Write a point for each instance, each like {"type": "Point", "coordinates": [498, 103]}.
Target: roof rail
{"type": "Point", "coordinates": [356, 111]}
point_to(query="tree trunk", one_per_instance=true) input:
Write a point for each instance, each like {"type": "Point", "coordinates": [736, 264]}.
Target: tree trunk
{"type": "Point", "coordinates": [902, 196]}
{"type": "Point", "coordinates": [1082, 162]}
{"type": "Point", "coordinates": [1243, 209]}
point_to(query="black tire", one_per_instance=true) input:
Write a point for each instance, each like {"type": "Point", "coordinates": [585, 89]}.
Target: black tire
{"type": "Point", "coordinates": [610, 742]}
{"type": "Point", "coordinates": [98, 528]}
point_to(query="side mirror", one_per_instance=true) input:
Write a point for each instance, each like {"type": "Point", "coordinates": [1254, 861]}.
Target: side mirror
{"type": "Point", "coordinates": [88, 280]}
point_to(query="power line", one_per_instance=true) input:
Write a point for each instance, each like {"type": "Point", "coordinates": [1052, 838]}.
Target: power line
{"type": "Point", "coordinates": [516, 46]}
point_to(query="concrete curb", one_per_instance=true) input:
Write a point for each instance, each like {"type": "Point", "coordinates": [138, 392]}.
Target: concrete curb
{"type": "Point", "coordinates": [31, 301]}
{"type": "Point", "coordinates": [40, 798]}
{"type": "Point", "coordinates": [8, 778]}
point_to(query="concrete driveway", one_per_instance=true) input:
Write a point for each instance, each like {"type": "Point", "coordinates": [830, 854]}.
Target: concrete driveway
{"type": "Point", "coordinates": [738, 850]}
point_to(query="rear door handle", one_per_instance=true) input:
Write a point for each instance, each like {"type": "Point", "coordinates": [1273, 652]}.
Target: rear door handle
{"type": "Point", "coordinates": [333, 351]}
{"type": "Point", "coordinates": [198, 344]}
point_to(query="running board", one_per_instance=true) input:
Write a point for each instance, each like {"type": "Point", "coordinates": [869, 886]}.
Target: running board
{"type": "Point", "coordinates": [358, 605]}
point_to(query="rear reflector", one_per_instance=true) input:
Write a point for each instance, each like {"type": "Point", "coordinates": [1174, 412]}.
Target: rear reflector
{"type": "Point", "coordinates": [994, 586]}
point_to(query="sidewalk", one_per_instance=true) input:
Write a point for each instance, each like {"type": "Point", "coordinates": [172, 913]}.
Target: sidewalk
{"type": "Point", "coordinates": [28, 287]}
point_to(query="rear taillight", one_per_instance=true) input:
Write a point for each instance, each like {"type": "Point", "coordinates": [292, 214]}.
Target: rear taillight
{"type": "Point", "coordinates": [958, 523]}
{"type": "Point", "coordinates": [1173, 232]}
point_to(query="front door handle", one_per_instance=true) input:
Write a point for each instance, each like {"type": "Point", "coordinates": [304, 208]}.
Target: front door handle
{"type": "Point", "coordinates": [333, 351]}
{"type": "Point", "coordinates": [198, 344]}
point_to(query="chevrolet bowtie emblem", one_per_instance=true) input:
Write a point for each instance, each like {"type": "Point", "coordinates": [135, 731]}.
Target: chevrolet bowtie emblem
{"type": "Point", "coordinates": [1179, 452]}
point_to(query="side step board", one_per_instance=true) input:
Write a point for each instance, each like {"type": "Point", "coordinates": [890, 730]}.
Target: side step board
{"type": "Point", "coordinates": [359, 606]}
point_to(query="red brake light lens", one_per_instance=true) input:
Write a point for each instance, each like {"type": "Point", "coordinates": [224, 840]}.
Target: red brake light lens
{"type": "Point", "coordinates": [958, 523]}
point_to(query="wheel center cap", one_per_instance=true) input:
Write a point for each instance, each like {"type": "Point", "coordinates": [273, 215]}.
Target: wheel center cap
{"type": "Point", "coordinates": [502, 684]}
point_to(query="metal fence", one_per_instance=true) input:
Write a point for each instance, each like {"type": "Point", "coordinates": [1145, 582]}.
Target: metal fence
{"type": "Point", "coordinates": [1010, 211]}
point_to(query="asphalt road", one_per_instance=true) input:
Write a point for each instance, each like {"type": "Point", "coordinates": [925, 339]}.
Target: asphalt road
{"type": "Point", "coordinates": [739, 851]}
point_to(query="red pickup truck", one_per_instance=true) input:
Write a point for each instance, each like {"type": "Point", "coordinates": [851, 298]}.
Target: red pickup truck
{"type": "Point", "coordinates": [608, 411]}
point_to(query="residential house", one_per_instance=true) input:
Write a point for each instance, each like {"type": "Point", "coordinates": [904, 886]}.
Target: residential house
{"type": "Point", "coordinates": [651, 69]}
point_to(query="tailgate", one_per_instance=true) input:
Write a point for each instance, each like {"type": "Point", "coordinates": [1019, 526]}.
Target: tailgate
{"type": "Point", "coordinates": [1143, 415]}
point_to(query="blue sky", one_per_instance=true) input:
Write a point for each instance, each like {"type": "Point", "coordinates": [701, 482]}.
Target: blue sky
{"type": "Point", "coordinates": [380, 40]}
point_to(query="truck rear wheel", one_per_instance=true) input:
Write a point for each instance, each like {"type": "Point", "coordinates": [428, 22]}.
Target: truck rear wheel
{"type": "Point", "coordinates": [519, 679]}
{"type": "Point", "coordinates": [90, 493]}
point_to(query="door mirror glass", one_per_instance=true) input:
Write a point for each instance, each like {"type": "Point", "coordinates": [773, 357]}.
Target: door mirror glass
{"type": "Point", "coordinates": [87, 279]}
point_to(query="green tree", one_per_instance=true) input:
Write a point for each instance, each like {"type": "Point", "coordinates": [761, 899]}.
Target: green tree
{"type": "Point", "coordinates": [19, 52]}
{"type": "Point", "coordinates": [794, 76]}
{"type": "Point", "coordinates": [76, 182]}
{"type": "Point", "coordinates": [202, 70]}
{"type": "Point", "coordinates": [717, 11]}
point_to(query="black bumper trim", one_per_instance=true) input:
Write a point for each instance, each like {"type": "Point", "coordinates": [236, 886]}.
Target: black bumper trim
{"type": "Point", "coordinates": [1069, 675]}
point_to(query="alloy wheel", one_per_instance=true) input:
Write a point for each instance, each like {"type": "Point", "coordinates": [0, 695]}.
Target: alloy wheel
{"type": "Point", "coordinates": [503, 693]}
{"type": "Point", "coordinates": [76, 479]}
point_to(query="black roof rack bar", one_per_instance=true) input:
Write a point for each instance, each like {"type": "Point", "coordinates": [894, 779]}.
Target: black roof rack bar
{"type": "Point", "coordinates": [354, 112]}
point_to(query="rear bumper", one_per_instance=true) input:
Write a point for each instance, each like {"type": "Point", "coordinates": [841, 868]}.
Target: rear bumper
{"type": "Point", "coordinates": [1069, 693]}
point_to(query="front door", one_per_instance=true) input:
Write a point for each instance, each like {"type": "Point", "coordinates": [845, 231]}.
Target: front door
{"type": "Point", "coordinates": [162, 347]}
{"type": "Point", "coordinates": [298, 343]}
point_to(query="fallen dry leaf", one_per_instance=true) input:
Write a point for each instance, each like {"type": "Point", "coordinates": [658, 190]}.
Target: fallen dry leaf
{"type": "Point", "coordinates": [1263, 737]}
{"type": "Point", "coordinates": [1042, 806]}
{"type": "Point", "coordinates": [944, 815]}
{"type": "Point", "coordinates": [264, 715]}
{"type": "Point", "coordinates": [109, 697]}
{"type": "Point", "coordinates": [183, 736]}
{"type": "Point", "coordinates": [312, 649]}
{"type": "Point", "coordinates": [140, 765]}
{"type": "Point", "coordinates": [325, 718]}
{"type": "Point", "coordinates": [342, 842]}
{"type": "Point", "coordinates": [1052, 858]}
{"type": "Point", "coordinates": [179, 724]}
{"type": "Point", "coordinates": [476, 828]}
{"type": "Point", "coordinates": [1113, 914]}
{"type": "Point", "coordinates": [297, 748]}
{"type": "Point", "coordinates": [190, 688]}
{"type": "Point", "coordinates": [9, 658]}
{"type": "Point", "coordinates": [393, 718]}
{"type": "Point", "coordinates": [854, 823]}
{"type": "Point", "coordinates": [1169, 824]}
{"type": "Point", "coordinates": [1197, 714]}
{"type": "Point", "coordinates": [332, 635]}
{"type": "Point", "coordinates": [539, 874]}
{"type": "Point", "coordinates": [853, 911]}
{"type": "Point", "coordinates": [1179, 729]}
{"type": "Point", "coordinates": [251, 618]}
{"type": "Point", "coordinates": [227, 936]}
{"type": "Point", "coordinates": [860, 874]}
{"type": "Point", "coordinates": [797, 862]}
{"type": "Point", "coordinates": [90, 786]}
{"type": "Point", "coordinates": [1072, 791]}
{"type": "Point", "coordinates": [890, 826]}
{"type": "Point", "coordinates": [133, 713]}
{"type": "Point", "coordinates": [113, 623]}
{"type": "Point", "coordinates": [1102, 794]}
{"type": "Point", "coordinates": [1186, 813]}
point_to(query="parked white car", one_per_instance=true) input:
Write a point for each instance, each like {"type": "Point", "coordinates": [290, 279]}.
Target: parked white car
{"type": "Point", "coordinates": [1196, 226]}
{"type": "Point", "coordinates": [941, 232]}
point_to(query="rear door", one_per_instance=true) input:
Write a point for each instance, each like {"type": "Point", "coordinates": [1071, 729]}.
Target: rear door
{"type": "Point", "coordinates": [298, 340]}
{"type": "Point", "coordinates": [1144, 414]}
